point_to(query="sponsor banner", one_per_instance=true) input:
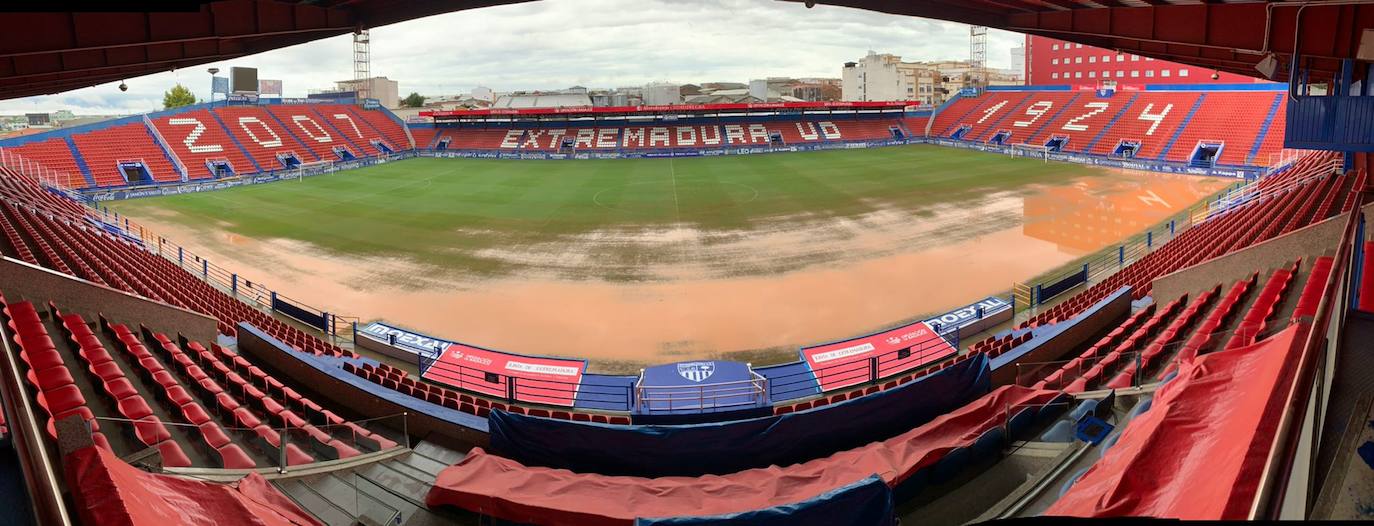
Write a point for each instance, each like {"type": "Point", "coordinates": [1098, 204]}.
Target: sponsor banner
{"type": "Point", "coordinates": [420, 343]}
{"type": "Point", "coordinates": [1238, 172]}
{"type": "Point", "coordinates": [670, 108]}
{"type": "Point", "coordinates": [845, 363]}
{"type": "Point", "coordinates": [207, 186]}
{"type": "Point", "coordinates": [269, 87]}
{"type": "Point", "coordinates": [962, 316]}
{"type": "Point", "coordinates": [541, 380]}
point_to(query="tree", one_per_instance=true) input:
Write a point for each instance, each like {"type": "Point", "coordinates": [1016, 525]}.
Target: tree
{"type": "Point", "coordinates": [414, 100]}
{"type": "Point", "coordinates": [177, 97]}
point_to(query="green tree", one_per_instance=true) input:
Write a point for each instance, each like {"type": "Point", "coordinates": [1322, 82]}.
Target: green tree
{"type": "Point", "coordinates": [414, 100]}
{"type": "Point", "coordinates": [177, 97]}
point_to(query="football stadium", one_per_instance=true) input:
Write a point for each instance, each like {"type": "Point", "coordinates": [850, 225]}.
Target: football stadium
{"type": "Point", "coordinates": [1131, 281]}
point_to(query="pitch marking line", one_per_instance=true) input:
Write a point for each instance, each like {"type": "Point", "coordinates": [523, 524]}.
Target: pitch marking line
{"type": "Point", "coordinates": [677, 208]}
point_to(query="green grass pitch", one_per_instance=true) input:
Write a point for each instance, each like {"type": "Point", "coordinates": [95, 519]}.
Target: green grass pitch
{"type": "Point", "coordinates": [439, 211]}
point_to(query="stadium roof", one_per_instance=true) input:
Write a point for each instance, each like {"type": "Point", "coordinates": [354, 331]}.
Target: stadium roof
{"type": "Point", "coordinates": [42, 53]}
{"type": "Point", "coordinates": [1226, 35]}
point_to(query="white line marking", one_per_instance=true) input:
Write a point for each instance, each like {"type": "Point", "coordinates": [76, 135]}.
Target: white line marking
{"type": "Point", "coordinates": [677, 208]}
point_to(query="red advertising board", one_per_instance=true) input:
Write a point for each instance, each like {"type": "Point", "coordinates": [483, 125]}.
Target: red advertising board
{"type": "Point", "coordinates": [540, 380]}
{"type": "Point", "coordinates": [668, 108]}
{"type": "Point", "coordinates": [844, 363]}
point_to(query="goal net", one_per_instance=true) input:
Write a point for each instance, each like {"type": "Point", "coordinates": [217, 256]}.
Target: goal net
{"type": "Point", "coordinates": [1031, 150]}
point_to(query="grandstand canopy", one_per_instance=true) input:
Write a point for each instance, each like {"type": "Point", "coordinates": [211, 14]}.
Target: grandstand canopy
{"type": "Point", "coordinates": [1226, 35]}
{"type": "Point", "coordinates": [43, 53]}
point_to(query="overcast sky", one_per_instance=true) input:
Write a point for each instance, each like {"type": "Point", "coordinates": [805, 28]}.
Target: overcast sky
{"type": "Point", "coordinates": [559, 43]}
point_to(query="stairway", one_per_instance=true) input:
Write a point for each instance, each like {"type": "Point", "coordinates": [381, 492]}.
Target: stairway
{"type": "Point", "coordinates": [391, 492]}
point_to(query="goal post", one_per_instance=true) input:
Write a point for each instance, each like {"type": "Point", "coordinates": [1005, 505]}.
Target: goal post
{"type": "Point", "coordinates": [1031, 150]}
{"type": "Point", "coordinates": [313, 168]}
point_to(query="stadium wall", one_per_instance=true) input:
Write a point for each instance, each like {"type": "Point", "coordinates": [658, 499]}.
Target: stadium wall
{"type": "Point", "coordinates": [40, 285]}
{"type": "Point", "coordinates": [1058, 339]}
{"type": "Point", "coordinates": [328, 380]}
{"type": "Point", "coordinates": [1313, 240]}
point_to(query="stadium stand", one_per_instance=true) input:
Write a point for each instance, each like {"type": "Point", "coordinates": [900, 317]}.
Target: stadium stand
{"type": "Point", "coordinates": [1150, 121]}
{"type": "Point", "coordinates": [508, 490]}
{"type": "Point", "coordinates": [54, 154]}
{"type": "Point", "coordinates": [107, 151]}
{"type": "Point", "coordinates": [201, 141]}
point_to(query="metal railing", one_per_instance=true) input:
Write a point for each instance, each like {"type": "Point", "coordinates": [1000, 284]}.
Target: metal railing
{"type": "Point", "coordinates": [251, 292]}
{"type": "Point", "coordinates": [1284, 487]}
{"type": "Point", "coordinates": [720, 395]}
{"type": "Point", "coordinates": [1111, 260]}
{"type": "Point", "coordinates": [302, 437]}
{"type": "Point", "coordinates": [45, 176]}
{"type": "Point", "coordinates": [162, 143]}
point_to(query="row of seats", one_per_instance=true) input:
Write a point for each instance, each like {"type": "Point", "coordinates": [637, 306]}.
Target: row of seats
{"type": "Point", "coordinates": [248, 139]}
{"type": "Point", "coordinates": [994, 346]}
{"type": "Point", "coordinates": [146, 428]}
{"type": "Point", "coordinates": [1154, 120]}
{"type": "Point", "coordinates": [172, 392]}
{"type": "Point", "coordinates": [697, 137]}
{"type": "Point", "coordinates": [46, 372]}
{"type": "Point", "coordinates": [101, 151]}
{"type": "Point", "coordinates": [1148, 335]}
{"type": "Point", "coordinates": [396, 379]}
{"type": "Point", "coordinates": [1218, 236]}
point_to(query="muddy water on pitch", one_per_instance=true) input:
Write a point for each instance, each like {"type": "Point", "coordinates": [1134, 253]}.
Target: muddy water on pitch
{"type": "Point", "coordinates": [709, 293]}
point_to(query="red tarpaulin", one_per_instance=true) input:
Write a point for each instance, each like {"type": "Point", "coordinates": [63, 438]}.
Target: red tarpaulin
{"type": "Point", "coordinates": [110, 492]}
{"type": "Point", "coordinates": [505, 489]}
{"type": "Point", "coordinates": [1197, 453]}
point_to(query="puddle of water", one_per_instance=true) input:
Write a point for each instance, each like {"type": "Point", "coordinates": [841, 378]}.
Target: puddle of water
{"type": "Point", "coordinates": [701, 293]}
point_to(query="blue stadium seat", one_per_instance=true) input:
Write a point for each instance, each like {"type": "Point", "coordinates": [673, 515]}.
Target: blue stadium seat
{"type": "Point", "coordinates": [1140, 407]}
{"type": "Point", "coordinates": [1168, 377]}
{"type": "Point", "coordinates": [1054, 408]}
{"type": "Point", "coordinates": [1061, 431]}
{"type": "Point", "coordinates": [956, 461]}
{"type": "Point", "coordinates": [989, 445]}
{"type": "Point", "coordinates": [1088, 406]}
{"type": "Point", "coordinates": [1069, 483]}
{"type": "Point", "coordinates": [913, 485]}
{"type": "Point", "coordinates": [1107, 443]}
{"type": "Point", "coordinates": [1021, 422]}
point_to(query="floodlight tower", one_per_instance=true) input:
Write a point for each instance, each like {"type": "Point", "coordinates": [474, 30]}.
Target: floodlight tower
{"type": "Point", "coordinates": [978, 55]}
{"type": "Point", "coordinates": [362, 65]}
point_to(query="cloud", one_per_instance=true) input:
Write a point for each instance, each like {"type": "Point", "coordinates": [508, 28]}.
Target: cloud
{"type": "Point", "coordinates": [559, 43]}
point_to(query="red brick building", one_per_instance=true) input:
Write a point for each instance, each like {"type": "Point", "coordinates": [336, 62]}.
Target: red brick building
{"type": "Point", "coordinates": [1055, 62]}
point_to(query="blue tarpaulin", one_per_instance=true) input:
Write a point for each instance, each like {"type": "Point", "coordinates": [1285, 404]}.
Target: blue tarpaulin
{"type": "Point", "coordinates": [867, 502]}
{"type": "Point", "coordinates": [727, 447]}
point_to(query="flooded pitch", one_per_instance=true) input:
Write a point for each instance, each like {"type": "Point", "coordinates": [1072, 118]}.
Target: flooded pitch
{"type": "Point", "coordinates": [698, 293]}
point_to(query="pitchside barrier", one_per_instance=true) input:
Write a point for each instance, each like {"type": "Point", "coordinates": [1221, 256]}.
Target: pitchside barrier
{"type": "Point", "coordinates": [282, 174]}
{"type": "Point", "coordinates": [254, 293]}
{"type": "Point", "coordinates": [1108, 261]}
